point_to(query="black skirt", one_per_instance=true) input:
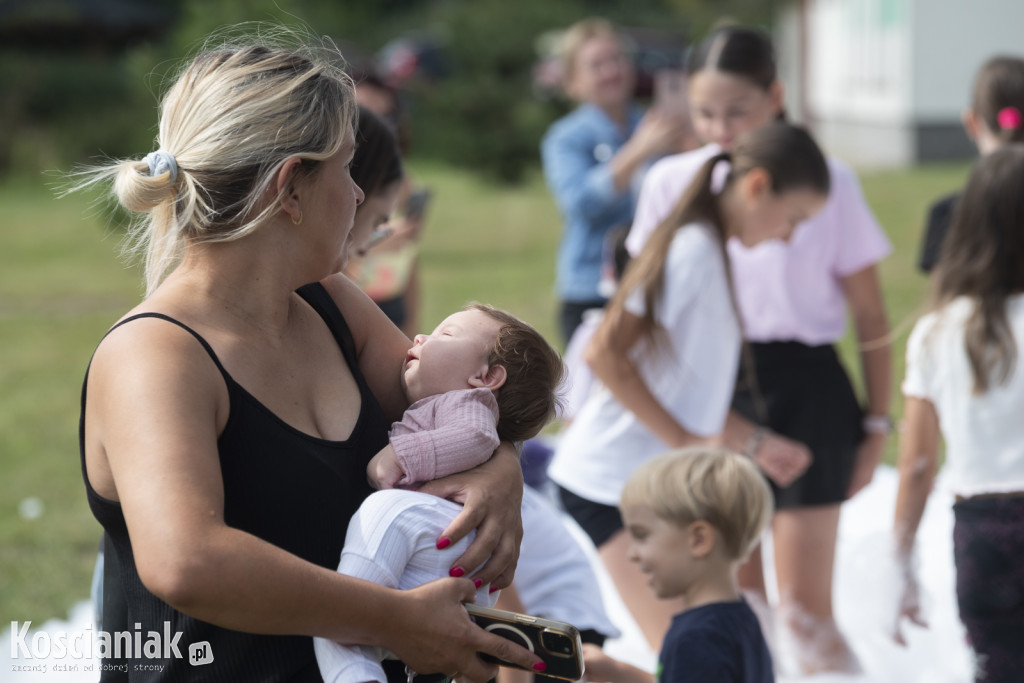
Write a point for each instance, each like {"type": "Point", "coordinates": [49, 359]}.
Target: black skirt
{"type": "Point", "coordinates": [804, 393]}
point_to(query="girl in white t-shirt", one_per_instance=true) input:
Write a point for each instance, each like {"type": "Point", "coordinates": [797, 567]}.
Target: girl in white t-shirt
{"type": "Point", "coordinates": [965, 379]}
{"type": "Point", "coordinates": [793, 299]}
{"type": "Point", "coordinates": [668, 347]}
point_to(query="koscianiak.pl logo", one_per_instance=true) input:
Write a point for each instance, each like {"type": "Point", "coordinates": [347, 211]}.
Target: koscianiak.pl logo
{"type": "Point", "coordinates": [138, 650]}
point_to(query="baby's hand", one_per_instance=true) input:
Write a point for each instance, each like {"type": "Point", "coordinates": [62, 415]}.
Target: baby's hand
{"type": "Point", "coordinates": [383, 471]}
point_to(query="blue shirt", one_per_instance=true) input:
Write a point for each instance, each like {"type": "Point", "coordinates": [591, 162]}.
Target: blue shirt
{"type": "Point", "coordinates": [716, 643]}
{"type": "Point", "coordinates": [575, 153]}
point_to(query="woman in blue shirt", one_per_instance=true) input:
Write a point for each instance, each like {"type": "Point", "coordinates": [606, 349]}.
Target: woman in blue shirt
{"type": "Point", "coordinates": [592, 157]}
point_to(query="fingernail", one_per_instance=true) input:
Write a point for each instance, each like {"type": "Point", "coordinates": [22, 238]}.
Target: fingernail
{"type": "Point", "coordinates": [443, 543]}
{"type": "Point", "coordinates": [540, 666]}
{"type": "Point", "coordinates": [494, 588]}
{"type": "Point", "coordinates": [456, 572]}
{"type": "Point", "coordinates": [477, 582]}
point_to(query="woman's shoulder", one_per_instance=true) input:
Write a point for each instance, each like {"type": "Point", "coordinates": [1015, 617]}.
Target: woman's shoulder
{"type": "Point", "coordinates": [695, 255]}
{"type": "Point", "coordinates": [697, 241]}
{"type": "Point", "coordinates": [949, 318]}
{"type": "Point", "coordinates": [844, 178]}
{"type": "Point", "coordinates": [574, 123]}
{"type": "Point", "coordinates": [679, 169]}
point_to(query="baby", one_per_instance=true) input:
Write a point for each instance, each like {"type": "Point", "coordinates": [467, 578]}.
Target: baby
{"type": "Point", "coordinates": [483, 376]}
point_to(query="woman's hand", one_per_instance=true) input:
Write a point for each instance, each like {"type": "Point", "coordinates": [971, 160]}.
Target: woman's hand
{"type": "Point", "coordinates": [869, 454]}
{"type": "Point", "coordinates": [433, 634]}
{"type": "Point", "coordinates": [780, 459]}
{"type": "Point", "coordinates": [492, 496]}
{"type": "Point", "coordinates": [909, 606]}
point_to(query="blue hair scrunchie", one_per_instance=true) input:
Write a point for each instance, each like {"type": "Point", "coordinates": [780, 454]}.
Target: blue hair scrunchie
{"type": "Point", "coordinates": [161, 162]}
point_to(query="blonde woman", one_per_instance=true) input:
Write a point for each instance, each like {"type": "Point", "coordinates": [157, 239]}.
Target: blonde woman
{"type": "Point", "coordinates": [227, 420]}
{"type": "Point", "coordinates": [593, 159]}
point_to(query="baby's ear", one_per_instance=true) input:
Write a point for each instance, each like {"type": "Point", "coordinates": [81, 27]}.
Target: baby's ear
{"type": "Point", "coordinates": [491, 377]}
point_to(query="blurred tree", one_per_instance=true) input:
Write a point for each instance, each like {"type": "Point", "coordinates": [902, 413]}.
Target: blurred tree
{"type": "Point", "coordinates": [702, 15]}
{"type": "Point", "coordinates": [82, 77]}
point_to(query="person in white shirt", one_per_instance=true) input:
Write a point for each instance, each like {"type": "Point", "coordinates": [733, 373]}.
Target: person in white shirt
{"type": "Point", "coordinates": [965, 379]}
{"type": "Point", "coordinates": [801, 421]}
{"type": "Point", "coordinates": [668, 347]}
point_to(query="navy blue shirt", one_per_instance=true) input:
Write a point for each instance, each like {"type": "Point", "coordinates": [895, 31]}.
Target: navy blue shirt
{"type": "Point", "coordinates": [717, 643]}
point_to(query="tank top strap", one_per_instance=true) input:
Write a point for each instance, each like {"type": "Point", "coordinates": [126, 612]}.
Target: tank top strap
{"type": "Point", "coordinates": [85, 381]}
{"type": "Point", "coordinates": [317, 296]}
{"type": "Point", "coordinates": [199, 338]}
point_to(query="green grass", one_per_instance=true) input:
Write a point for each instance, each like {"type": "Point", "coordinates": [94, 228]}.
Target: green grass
{"type": "Point", "coordinates": [62, 284]}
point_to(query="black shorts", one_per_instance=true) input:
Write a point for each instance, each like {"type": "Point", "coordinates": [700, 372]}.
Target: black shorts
{"type": "Point", "coordinates": [570, 315]}
{"type": "Point", "coordinates": [807, 396]}
{"type": "Point", "coordinates": [599, 521]}
{"type": "Point", "coordinates": [988, 549]}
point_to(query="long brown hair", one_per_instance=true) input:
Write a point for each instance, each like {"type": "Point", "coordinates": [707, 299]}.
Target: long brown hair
{"type": "Point", "coordinates": [982, 259]}
{"type": "Point", "coordinates": [789, 155]}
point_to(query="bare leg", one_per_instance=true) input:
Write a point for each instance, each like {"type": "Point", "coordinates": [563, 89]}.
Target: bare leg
{"type": "Point", "coordinates": [805, 542]}
{"type": "Point", "coordinates": [651, 614]}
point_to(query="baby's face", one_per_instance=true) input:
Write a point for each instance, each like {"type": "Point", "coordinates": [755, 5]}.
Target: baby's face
{"type": "Point", "coordinates": [449, 357]}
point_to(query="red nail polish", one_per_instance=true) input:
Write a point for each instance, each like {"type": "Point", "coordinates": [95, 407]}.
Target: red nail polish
{"type": "Point", "coordinates": [494, 588]}
{"type": "Point", "coordinates": [477, 582]}
{"type": "Point", "coordinates": [443, 543]}
{"type": "Point", "coordinates": [456, 572]}
{"type": "Point", "coordinates": [540, 666]}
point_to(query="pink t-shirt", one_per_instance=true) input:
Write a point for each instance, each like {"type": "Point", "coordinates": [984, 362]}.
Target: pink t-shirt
{"type": "Point", "coordinates": [785, 291]}
{"type": "Point", "coordinates": [444, 434]}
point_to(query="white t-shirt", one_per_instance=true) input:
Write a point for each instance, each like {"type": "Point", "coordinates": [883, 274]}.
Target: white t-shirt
{"type": "Point", "coordinates": [785, 290]}
{"type": "Point", "coordinates": [692, 374]}
{"type": "Point", "coordinates": [391, 541]}
{"type": "Point", "coordinates": [984, 433]}
{"type": "Point", "coordinates": [554, 577]}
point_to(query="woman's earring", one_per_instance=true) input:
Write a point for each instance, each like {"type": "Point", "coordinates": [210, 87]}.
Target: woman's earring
{"type": "Point", "coordinates": [299, 221]}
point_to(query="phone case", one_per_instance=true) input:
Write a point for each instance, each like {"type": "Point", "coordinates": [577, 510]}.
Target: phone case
{"type": "Point", "coordinates": [556, 642]}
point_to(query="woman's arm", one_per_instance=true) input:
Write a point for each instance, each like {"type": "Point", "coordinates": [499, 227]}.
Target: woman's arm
{"type": "Point", "coordinates": [656, 134]}
{"type": "Point", "coordinates": [601, 667]}
{"type": "Point", "coordinates": [580, 185]}
{"type": "Point", "coordinates": [864, 296]}
{"type": "Point", "coordinates": [607, 354]}
{"type": "Point", "coordinates": [918, 463]}
{"type": "Point", "coordinates": [157, 404]}
{"type": "Point", "coordinates": [780, 459]}
{"type": "Point", "coordinates": [492, 496]}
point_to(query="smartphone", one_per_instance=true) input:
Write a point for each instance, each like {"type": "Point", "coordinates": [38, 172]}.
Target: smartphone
{"type": "Point", "coordinates": [670, 91]}
{"type": "Point", "coordinates": [416, 204]}
{"type": "Point", "coordinates": [555, 642]}
{"type": "Point", "coordinates": [377, 237]}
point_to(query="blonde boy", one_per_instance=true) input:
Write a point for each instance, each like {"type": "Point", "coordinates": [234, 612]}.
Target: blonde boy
{"type": "Point", "coordinates": [693, 515]}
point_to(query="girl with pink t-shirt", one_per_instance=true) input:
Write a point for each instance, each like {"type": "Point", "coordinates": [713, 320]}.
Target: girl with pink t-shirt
{"type": "Point", "coordinates": [793, 299]}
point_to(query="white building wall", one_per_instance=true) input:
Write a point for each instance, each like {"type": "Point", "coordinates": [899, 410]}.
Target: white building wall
{"type": "Point", "coordinates": [883, 82]}
{"type": "Point", "coordinates": [952, 39]}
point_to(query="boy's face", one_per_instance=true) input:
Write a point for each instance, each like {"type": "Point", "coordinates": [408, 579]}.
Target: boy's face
{"type": "Point", "coordinates": [453, 356]}
{"type": "Point", "coordinates": [661, 549]}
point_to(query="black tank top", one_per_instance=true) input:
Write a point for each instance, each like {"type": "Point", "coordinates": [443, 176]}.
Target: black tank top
{"type": "Point", "coordinates": [281, 485]}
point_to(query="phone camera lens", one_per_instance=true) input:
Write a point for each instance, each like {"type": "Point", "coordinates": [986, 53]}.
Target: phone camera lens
{"type": "Point", "coordinates": [557, 643]}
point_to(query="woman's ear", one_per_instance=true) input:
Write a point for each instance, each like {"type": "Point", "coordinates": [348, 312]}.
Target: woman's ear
{"type": "Point", "coordinates": [491, 377]}
{"type": "Point", "coordinates": [284, 187]}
